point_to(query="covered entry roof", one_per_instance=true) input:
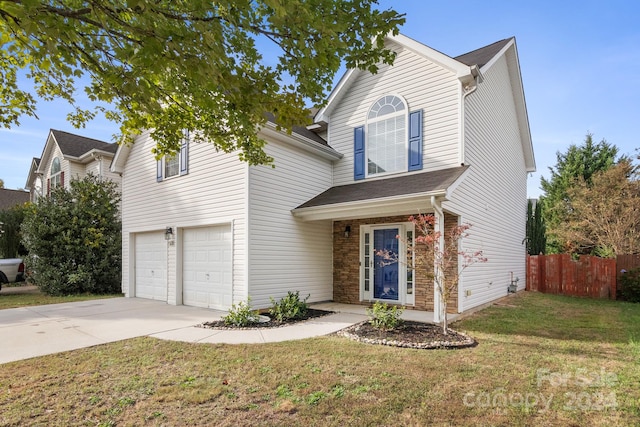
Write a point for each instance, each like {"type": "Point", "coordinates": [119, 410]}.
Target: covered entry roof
{"type": "Point", "coordinates": [400, 195]}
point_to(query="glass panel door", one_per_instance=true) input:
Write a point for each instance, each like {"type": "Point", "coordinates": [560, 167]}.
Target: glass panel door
{"type": "Point", "coordinates": [385, 272]}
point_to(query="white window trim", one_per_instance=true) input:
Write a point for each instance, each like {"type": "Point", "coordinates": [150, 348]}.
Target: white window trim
{"type": "Point", "coordinates": [178, 156]}
{"type": "Point", "coordinates": [55, 178]}
{"type": "Point", "coordinates": [406, 136]}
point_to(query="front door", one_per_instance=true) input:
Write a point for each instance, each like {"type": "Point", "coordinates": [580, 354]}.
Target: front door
{"type": "Point", "coordinates": [385, 271]}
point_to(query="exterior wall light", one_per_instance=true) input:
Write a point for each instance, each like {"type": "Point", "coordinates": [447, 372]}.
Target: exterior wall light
{"type": "Point", "coordinates": [347, 231]}
{"type": "Point", "coordinates": [168, 233]}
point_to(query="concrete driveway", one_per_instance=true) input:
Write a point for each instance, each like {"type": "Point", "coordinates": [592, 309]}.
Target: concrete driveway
{"type": "Point", "coordinates": [39, 330]}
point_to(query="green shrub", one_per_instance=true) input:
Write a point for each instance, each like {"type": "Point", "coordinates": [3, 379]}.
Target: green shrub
{"type": "Point", "coordinates": [384, 316]}
{"type": "Point", "coordinates": [74, 239]}
{"type": "Point", "coordinates": [10, 237]}
{"type": "Point", "coordinates": [630, 285]}
{"type": "Point", "coordinates": [289, 307]}
{"type": "Point", "coordinates": [241, 315]}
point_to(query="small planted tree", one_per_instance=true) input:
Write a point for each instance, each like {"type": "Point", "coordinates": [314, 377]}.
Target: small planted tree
{"type": "Point", "coordinates": [440, 250]}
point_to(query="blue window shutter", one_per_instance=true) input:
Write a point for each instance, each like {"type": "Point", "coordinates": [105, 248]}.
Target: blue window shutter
{"type": "Point", "coordinates": [159, 170]}
{"type": "Point", "coordinates": [184, 154]}
{"type": "Point", "coordinates": [358, 153]}
{"type": "Point", "coordinates": [415, 140]}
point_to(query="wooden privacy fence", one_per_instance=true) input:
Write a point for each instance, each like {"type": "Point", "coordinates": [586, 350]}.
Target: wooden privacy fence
{"type": "Point", "coordinates": [627, 262]}
{"type": "Point", "coordinates": [589, 276]}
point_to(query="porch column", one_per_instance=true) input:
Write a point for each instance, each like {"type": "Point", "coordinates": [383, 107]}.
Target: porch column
{"type": "Point", "coordinates": [438, 314]}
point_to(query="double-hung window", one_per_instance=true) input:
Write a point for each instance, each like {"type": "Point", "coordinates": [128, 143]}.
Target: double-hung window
{"type": "Point", "coordinates": [176, 165]}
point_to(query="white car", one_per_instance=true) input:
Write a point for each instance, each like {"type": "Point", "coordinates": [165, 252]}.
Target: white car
{"type": "Point", "coordinates": [11, 270]}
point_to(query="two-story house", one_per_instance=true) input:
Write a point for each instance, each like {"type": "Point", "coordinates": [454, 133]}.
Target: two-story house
{"type": "Point", "coordinates": [430, 134]}
{"type": "Point", "coordinates": [67, 156]}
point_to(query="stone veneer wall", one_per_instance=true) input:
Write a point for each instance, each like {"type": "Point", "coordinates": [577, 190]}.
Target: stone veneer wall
{"type": "Point", "coordinates": [346, 265]}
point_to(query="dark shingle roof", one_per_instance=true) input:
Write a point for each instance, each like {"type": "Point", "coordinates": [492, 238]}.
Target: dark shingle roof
{"type": "Point", "coordinates": [76, 145]}
{"type": "Point", "coordinates": [300, 130]}
{"type": "Point", "coordinates": [11, 198]}
{"type": "Point", "coordinates": [414, 183]}
{"type": "Point", "coordinates": [483, 55]}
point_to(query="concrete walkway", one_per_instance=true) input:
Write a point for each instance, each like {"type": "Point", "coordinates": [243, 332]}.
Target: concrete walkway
{"type": "Point", "coordinates": [40, 330]}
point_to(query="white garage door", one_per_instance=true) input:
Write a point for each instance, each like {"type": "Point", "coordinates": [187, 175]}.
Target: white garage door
{"type": "Point", "coordinates": [206, 267]}
{"type": "Point", "coordinates": [151, 266]}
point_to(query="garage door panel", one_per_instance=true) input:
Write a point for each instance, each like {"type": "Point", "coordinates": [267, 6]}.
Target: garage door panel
{"type": "Point", "coordinates": [207, 267]}
{"type": "Point", "coordinates": [150, 266]}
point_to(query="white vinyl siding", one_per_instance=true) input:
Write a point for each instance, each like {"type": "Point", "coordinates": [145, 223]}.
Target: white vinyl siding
{"type": "Point", "coordinates": [424, 85]}
{"type": "Point", "coordinates": [492, 196]}
{"type": "Point", "coordinates": [285, 253]}
{"type": "Point", "coordinates": [213, 193]}
{"type": "Point", "coordinates": [78, 170]}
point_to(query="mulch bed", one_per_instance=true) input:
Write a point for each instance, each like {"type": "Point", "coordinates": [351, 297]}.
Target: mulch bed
{"type": "Point", "coordinates": [272, 323]}
{"type": "Point", "coordinates": [410, 334]}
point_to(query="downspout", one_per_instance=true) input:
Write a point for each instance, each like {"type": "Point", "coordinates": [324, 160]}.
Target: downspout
{"type": "Point", "coordinates": [438, 314]}
{"type": "Point", "coordinates": [98, 157]}
{"type": "Point", "coordinates": [467, 89]}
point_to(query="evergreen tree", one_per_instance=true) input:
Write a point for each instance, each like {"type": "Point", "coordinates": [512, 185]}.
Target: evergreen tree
{"type": "Point", "coordinates": [536, 231]}
{"type": "Point", "coordinates": [579, 162]}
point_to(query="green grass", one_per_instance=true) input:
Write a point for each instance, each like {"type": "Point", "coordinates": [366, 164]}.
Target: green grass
{"type": "Point", "coordinates": [17, 300]}
{"type": "Point", "coordinates": [540, 360]}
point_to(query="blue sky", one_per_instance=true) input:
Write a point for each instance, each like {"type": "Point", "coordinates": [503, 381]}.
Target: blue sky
{"type": "Point", "coordinates": [578, 63]}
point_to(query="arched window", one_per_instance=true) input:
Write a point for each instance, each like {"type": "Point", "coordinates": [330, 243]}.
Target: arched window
{"type": "Point", "coordinates": [387, 136]}
{"type": "Point", "coordinates": [56, 173]}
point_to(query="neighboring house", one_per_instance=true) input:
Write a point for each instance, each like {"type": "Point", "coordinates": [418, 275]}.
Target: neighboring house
{"type": "Point", "coordinates": [11, 198]}
{"type": "Point", "coordinates": [67, 156]}
{"type": "Point", "coordinates": [430, 134]}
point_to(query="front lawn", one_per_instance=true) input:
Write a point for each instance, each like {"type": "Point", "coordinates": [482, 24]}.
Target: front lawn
{"type": "Point", "coordinates": [25, 296]}
{"type": "Point", "coordinates": [541, 360]}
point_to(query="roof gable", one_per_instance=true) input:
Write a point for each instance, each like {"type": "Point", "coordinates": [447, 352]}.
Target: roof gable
{"type": "Point", "coordinates": [75, 145]}
{"type": "Point", "coordinates": [33, 170]}
{"type": "Point", "coordinates": [509, 50]}
{"type": "Point", "coordinates": [463, 72]}
{"type": "Point", "coordinates": [483, 55]}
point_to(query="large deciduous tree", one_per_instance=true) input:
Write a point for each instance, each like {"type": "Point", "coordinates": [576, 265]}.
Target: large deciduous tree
{"type": "Point", "coordinates": [170, 65]}
{"type": "Point", "coordinates": [74, 239]}
{"type": "Point", "coordinates": [579, 162]}
{"type": "Point", "coordinates": [604, 215]}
